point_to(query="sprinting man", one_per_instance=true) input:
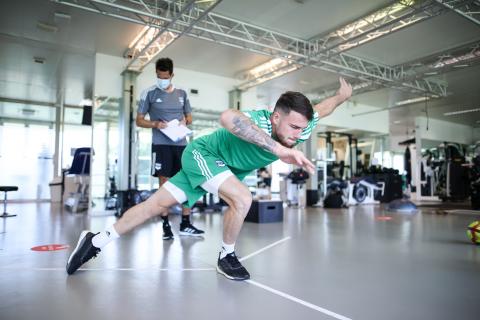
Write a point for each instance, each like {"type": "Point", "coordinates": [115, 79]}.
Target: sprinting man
{"type": "Point", "coordinates": [217, 163]}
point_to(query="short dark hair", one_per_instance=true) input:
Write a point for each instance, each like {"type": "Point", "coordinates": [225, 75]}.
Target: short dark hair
{"type": "Point", "coordinates": [164, 64]}
{"type": "Point", "coordinates": [295, 101]}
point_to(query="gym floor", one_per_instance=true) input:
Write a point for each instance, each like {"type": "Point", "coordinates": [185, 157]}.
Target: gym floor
{"type": "Point", "coordinates": [356, 263]}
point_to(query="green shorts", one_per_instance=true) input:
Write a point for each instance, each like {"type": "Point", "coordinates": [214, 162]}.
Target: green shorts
{"type": "Point", "coordinates": [201, 172]}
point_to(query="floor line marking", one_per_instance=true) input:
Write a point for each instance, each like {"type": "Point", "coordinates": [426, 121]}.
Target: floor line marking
{"type": "Point", "coordinates": [264, 248]}
{"type": "Point", "coordinates": [111, 269]}
{"type": "Point", "coordinates": [302, 302]}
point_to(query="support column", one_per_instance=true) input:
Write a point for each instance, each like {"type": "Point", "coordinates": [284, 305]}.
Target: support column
{"type": "Point", "coordinates": [127, 179]}
{"type": "Point", "coordinates": [235, 99]}
{"type": "Point", "coordinates": [312, 182]}
{"type": "Point", "coordinates": [58, 154]}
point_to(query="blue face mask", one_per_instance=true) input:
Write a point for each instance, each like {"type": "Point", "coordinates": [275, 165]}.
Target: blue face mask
{"type": "Point", "coordinates": [163, 83]}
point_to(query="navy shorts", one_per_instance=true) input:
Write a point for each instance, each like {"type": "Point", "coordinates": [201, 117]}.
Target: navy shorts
{"type": "Point", "coordinates": [166, 160]}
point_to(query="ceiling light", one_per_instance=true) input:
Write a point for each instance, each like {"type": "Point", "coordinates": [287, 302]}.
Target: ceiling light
{"type": "Point", "coordinates": [147, 45]}
{"type": "Point", "coordinates": [449, 60]}
{"type": "Point", "coordinates": [62, 15]}
{"type": "Point", "coordinates": [47, 27]}
{"type": "Point", "coordinates": [138, 36]}
{"type": "Point", "coordinates": [268, 66]}
{"type": "Point", "coordinates": [266, 71]}
{"type": "Point", "coordinates": [413, 100]}
{"type": "Point", "coordinates": [397, 122]}
{"type": "Point", "coordinates": [342, 130]}
{"type": "Point", "coordinates": [453, 113]}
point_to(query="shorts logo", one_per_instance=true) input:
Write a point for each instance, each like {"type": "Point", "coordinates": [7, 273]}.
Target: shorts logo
{"type": "Point", "coordinates": [220, 163]}
{"type": "Point", "coordinates": [181, 100]}
{"type": "Point", "coordinates": [158, 166]}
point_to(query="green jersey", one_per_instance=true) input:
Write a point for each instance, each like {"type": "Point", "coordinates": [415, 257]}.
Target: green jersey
{"type": "Point", "coordinates": [240, 155]}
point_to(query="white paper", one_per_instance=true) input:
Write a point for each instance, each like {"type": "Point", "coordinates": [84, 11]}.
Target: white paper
{"type": "Point", "coordinates": [176, 131]}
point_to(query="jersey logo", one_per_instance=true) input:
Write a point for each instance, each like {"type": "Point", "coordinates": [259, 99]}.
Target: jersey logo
{"type": "Point", "coordinates": [220, 163]}
{"type": "Point", "coordinates": [158, 166]}
{"type": "Point", "coordinates": [158, 100]}
{"type": "Point", "coordinates": [181, 100]}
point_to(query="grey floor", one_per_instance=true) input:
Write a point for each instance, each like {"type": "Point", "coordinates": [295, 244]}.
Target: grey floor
{"type": "Point", "coordinates": [317, 264]}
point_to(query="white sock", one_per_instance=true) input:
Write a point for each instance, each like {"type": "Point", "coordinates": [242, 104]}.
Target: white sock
{"type": "Point", "coordinates": [105, 237]}
{"type": "Point", "coordinates": [226, 249]}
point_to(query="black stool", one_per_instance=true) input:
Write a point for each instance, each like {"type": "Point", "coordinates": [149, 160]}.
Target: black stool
{"type": "Point", "coordinates": [6, 189]}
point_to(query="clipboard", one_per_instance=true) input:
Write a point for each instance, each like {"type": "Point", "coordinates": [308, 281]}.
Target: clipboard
{"type": "Point", "coordinates": [176, 131]}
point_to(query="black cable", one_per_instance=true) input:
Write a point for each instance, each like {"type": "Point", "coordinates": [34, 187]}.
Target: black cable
{"type": "Point", "coordinates": [426, 109]}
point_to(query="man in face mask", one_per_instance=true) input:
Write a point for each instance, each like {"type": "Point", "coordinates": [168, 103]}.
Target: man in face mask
{"type": "Point", "coordinates": [163, 103]}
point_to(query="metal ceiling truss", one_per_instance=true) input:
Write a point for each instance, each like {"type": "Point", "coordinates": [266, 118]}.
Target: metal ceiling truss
{"type": "Point", "coordinates": [167, 20]}
{"type": "Point", "coordinates": [387, 20]}
{"type": "Point", "coordinates": [456, 58]}
{"type": "Point", "coordinates": [330, 56]}
{"type": "Point", "coordinates": [321, 54]}
{"type": "Point", "coordinates": [468, 9]}
{"type": "Point", "coordinates": [418, 71]}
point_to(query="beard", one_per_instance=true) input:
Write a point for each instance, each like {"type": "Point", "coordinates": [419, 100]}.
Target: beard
{"type": "Point", "coordinates": [286, 142]}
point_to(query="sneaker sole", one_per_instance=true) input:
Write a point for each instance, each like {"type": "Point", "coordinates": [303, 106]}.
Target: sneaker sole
{"type": "Point", "coordinates": [183, 233]}
{"type": "Point", "coordinates": [82, 236]}
{"type": "Point", "coordinates": [230, 277]}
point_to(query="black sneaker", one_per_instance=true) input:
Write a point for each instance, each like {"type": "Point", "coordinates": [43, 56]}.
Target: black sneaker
{"type": "Point", "coordinates": [231, 268]}
{"type": "Point", "coordinates": [187, 229]}
{"type": "Point", "coordinates": [167, 232]}
{"type": "Point", "coordinates": [83, 252]}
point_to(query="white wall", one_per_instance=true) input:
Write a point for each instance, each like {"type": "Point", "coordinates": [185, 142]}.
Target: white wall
{"type": "Point", "coordinates": [212, 90]}
{"type": "Point", "coordinates": [108, 78]}
{"type": "Point", "coordinates": [440, 130]}
{"type": "Point", "coordinates": [251, 100]}
{"type": "Point", "coordinates": [342, 117]}
{"type": "Point", "coordinates": [476, 134]}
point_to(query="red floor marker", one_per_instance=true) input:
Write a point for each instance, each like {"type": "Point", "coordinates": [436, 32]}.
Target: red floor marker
{"type": "Point", "coordinates": [384, 218]}
{"type": "Point", "coordinates": [50, 247]}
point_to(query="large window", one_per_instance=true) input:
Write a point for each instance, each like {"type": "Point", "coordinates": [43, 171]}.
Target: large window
{"type": "Point", "coordinates": [145, 179]}
{"type": "Point", "coordinates": [105, 145]}
{"type": "Point", "coordinates": [26, 159]}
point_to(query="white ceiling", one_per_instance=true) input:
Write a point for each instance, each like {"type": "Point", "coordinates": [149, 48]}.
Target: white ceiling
{"type": "Point", "coordinates": [422, 39]}
{"type": "Point", "coordinates": [303, 18]}
{"type": "Point", "coordinates": [69, 52]}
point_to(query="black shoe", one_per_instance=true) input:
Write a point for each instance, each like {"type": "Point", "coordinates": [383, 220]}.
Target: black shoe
{"type": "Point", "coordinates": [167, 232]}
{"type": "Point", "coordinates": [231, 268]}
{"type": "Point", "coordinates": [83, 252]}
{"type": "Point", "coordinates": [187, 229]}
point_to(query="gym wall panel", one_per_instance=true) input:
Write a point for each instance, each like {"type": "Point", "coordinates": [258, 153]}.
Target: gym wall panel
{"type": "Point", "coordinates": [373, 122]}
{"type": "Point", "coordinates": [440, 130]}
{"type": "Point", "coordinates": [108, 78]}
{"type": "Point", "coordinates": [476, 134]}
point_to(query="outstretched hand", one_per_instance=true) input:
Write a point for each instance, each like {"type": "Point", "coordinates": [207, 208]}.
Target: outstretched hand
{"type": "Point", "coordinates": [292, 156]}
{"type": "Point", "coordinates": [345, 90]}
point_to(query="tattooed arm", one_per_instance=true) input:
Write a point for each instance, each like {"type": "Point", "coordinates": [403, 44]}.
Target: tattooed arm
{"type": "Point", "coordinates": [241, 126]}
